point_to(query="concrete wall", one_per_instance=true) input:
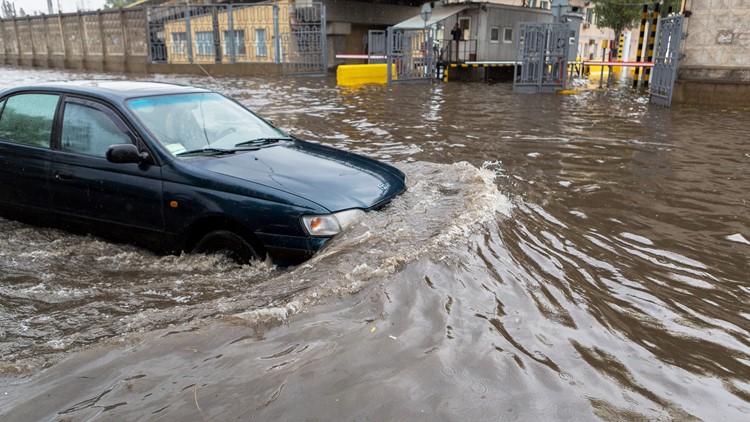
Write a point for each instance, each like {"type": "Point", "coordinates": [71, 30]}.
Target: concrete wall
{"type": "Point", "coordinates": [367, 13]}
{"type": "Point", "coordinates": [716, 67]}
{"type": "Point", "coordinates": [100, 41]}
{"type": "Point", "coordinates": [348, 22]}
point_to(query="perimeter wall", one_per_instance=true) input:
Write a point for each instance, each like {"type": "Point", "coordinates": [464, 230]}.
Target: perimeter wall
{"type": "Point", "coordinates": [99, 41]}
{"type": "Point", "coordinates": [716, 66]}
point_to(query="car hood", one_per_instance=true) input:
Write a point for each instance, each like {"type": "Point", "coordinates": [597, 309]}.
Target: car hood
{"type": "Point", "coordinates": [334, 179]}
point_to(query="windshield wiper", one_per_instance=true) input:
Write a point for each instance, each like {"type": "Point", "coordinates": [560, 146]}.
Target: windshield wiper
{"type": "Point", "coordinates": [260, 142]}
{"type": "Point", "coordinates": [206, 151]}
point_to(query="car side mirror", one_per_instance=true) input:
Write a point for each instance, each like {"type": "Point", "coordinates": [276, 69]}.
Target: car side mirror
{"type": "Point", "coordinates": [125, 153]}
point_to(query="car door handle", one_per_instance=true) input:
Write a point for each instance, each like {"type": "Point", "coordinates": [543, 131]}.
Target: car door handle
{"type": "Point", "coordinates": [63, 175]}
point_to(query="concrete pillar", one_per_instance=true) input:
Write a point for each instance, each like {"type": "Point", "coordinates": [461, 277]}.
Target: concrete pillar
{"type": "Point", "coordinates": [82, 37]}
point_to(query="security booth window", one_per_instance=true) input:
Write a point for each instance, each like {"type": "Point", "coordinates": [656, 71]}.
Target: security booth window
{"type": "Point", "coordinates": [494, 34]}
{"type": "Point", "coordinates": [27, 119]}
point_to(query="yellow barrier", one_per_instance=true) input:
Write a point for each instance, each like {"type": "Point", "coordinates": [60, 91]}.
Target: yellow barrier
{"type": "Point", "coordinates": [360, 74]}
{"type": "Point", "coordinates": [599, 69]}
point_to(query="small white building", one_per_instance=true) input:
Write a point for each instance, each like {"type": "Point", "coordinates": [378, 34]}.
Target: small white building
{"type": "Point", "coordinates": [488, 30]}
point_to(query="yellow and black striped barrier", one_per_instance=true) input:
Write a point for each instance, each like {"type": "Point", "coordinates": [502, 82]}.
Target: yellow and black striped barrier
{"type": "Point", "coordinates": [641, 35]}
{"type": "Point", "coordinates": [651, 42]}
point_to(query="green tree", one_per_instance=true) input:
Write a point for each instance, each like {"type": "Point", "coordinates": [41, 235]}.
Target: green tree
{"type": "Point", "coordinates": [116, 4]}
{"type": "Point", "coordinates": [666, 4]}
{"type": "Point", "coordinates": [618, 15]}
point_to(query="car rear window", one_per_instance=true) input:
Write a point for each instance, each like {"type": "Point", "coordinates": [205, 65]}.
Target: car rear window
{"type": "Point", "coordinates": [27, 119]}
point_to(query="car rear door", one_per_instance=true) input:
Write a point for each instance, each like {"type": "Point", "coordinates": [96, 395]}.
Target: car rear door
{"type": "Point", "coordinates": [26, 123]}
{"type": "Point", "coordinates": [124, 197]}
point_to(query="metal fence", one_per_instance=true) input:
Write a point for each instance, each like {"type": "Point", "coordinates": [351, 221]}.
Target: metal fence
{"type": "Point", "coordinates": [541, 61]}
{"type": "Point", "coordinates": [292, 35]}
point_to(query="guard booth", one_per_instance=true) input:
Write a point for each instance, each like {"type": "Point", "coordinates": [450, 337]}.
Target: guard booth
{"type": "Point", "coordinates": [488, 32]}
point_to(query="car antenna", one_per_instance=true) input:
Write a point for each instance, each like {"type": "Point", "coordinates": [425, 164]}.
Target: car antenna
{"type": "Point", "coordinates": [210, 77]}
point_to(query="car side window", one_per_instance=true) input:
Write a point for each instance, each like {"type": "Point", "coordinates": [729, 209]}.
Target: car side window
{"type": "Point", "coordinates": [91, 131]}
{"type": "Point", "coordinates": [27, 119]}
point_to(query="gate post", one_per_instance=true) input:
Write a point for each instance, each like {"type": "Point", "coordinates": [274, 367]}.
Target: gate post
{"type": "Point", "coordinates": [188, 33]}
{"type": "Point", "coordinates": [639, 52]}
{"type": "Point", "coordinates": [277, 36]}
{"type": "Point", "coordinates": [217, 34]}
{"type": "Point", "coordinates": [323, 38]}
{"type": "Point", "coordinates": [651, 42]}
{"type": "Point", "coordinates": [231, 43]}
{"type": "Point", "coordinates": [389, 53]}
{"type": "Point", "coordinates": [149, 12]}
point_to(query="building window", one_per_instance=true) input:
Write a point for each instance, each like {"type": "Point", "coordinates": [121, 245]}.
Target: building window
{"type": "Point", "coordinates": [544, 4]}
{"type": "Point", "coordinates": [507, 35]}
{"type": "Point", "coordinates": [494, 34]}
{"type": "Point", "coordinates": [260, 42]}
{"type": "Point", "coordinates": [532, 3]}
{"type": "Point", "coordinates": [239, 42]}
{"type": "Point", "coordinates": [179, 43]}
{"type": "Point", "coordinates": [589, 16]}
{"type": "Point", "coordinates": [204, 42]}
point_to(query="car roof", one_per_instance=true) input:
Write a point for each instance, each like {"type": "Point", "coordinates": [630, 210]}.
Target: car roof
{"type": "Point", "coordinates": [110, 89]}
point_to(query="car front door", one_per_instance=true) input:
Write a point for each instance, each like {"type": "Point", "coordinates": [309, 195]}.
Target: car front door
{"type": "Point", "coordinates": [26, 122]}
{"type": "Point", "coordinates": [117, 198]}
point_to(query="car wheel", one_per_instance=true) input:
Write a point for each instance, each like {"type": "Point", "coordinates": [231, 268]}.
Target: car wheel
{"type": "Point", "coordinates": [229, 244]}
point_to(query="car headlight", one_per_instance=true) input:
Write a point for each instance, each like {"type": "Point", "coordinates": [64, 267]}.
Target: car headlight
{"type": "Point", "coordinates": [330, 224]}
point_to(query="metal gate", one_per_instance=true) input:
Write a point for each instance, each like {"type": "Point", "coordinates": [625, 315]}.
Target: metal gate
{"type": "Point", "coordinates": [290, 35]}
{"type": "Point", "coordinates": [541, 57]}
{"type": "Point", "coordinates": [411, 53]}
{"type": "Point", "coordinates": [303, 39]}
{"type": "Point", "coordinates": [376, 46]}
{"type": "Point", "coordinates": [666, 60]}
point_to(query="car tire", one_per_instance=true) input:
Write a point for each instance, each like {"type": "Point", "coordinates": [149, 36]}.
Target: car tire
{"type": "Point", "coordinates": [229, 244]}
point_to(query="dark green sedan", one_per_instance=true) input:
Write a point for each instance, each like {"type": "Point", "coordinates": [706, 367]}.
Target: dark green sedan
{"type": "Point", "coordinates": [176, 168]}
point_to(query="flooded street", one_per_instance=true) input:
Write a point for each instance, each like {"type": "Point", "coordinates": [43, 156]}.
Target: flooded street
{"type": "Point", "coordinates": [579, 257]}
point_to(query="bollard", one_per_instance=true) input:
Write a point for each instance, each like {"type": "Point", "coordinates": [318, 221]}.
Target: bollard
{"type": "Point", "coordinates": [651, 42]}
{"type": "Point", "coordinates": [638, 53]}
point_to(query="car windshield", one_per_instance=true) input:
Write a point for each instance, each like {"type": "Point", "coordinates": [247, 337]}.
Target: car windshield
{"type": "Point", "coordinates": [190, 124]}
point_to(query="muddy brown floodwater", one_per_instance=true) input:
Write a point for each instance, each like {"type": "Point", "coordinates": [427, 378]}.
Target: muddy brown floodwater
{"type": "Point", "coordinates": [554, 258]}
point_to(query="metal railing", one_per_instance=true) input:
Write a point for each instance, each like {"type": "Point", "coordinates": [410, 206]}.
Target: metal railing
{"type": "Point", "coordinates": [459, 51]}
